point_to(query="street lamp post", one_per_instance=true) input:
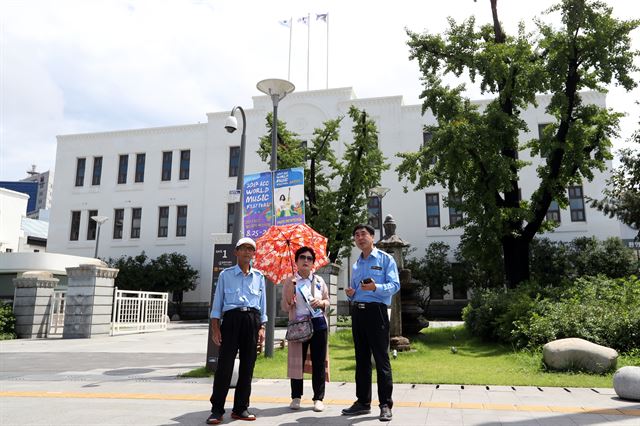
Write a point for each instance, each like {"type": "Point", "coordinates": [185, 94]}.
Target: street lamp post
{"type": "Point", "coordinates": [99, 220]}
{"type": "Point", "coordinates": [379, 192]}
{"type": "Point", "coordinates": [232, 125]}
{"type": "Point", "coordinates": [276, 89]}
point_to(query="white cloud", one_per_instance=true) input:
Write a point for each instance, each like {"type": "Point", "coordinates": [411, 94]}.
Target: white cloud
{"type": "Point", "coordinates": [73, 66]}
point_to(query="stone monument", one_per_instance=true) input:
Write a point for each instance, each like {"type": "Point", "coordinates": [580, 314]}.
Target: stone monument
{"type": "Point", "coordinates": [393, 244]}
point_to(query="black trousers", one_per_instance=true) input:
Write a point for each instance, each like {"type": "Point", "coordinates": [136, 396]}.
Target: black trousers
{"type": "Point", "coordinates": [370, 330]}
{"type": "Point", "coordinates": [239, 332]}
{"type": "Point", "coordinates": [318, 343]}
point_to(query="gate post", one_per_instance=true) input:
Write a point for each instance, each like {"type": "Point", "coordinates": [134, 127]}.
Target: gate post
{"type": "Point", "coordinates": [31, 306]}
{"type": "Point", "coordinates": [89, 301]}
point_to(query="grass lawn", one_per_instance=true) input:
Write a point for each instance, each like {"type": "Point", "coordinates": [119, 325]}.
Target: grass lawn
{"type": "Point", "coordinates": [432, 361]}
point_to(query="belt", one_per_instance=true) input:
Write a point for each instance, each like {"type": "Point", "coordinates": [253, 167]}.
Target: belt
{"type": "Point", "coordinates": [364, 305]}
{"type": "Point", "coordinates": [244, 309]}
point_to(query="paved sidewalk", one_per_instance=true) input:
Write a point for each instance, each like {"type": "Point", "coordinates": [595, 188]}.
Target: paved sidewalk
{"type": "Point", "coordinates": [131, 380]}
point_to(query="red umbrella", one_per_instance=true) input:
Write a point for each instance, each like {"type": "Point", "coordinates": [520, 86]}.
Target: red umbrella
{"type": "Point", "coordinates": [276, 249]}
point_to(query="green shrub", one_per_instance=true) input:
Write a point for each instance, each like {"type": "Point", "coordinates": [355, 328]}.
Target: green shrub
{"type": "Point", "coordinates": [7, 322]}
{"type": "Point", "coordinates": [602, 310]}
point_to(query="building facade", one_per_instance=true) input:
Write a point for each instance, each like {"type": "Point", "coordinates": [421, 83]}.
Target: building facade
{"type": "Point", "coordinates": [168, 189]}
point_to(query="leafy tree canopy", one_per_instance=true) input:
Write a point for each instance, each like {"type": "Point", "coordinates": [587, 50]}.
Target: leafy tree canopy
{"type": "Point", "coordinates": [169, 272]}
{"type": "Point", "coordinates": [336, 190]}
{"type": "Point", "coordinates": [477, 148]}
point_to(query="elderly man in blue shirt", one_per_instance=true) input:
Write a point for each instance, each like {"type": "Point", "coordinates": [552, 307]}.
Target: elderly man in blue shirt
{"type": "Point", "coordinates": [374, 280]}
{"type": "Point", "coordinates": [238, 316]}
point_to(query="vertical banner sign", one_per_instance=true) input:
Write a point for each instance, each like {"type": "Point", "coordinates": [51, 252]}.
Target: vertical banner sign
{"type": "Point", "coordinates": [257, 202]}
{"type": "Point", "coordinates": [288, 195]}
{"type": "Point", "coordinates": [224, 256]}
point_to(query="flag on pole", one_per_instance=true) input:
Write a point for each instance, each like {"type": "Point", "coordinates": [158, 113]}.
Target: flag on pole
{"type": "Point", "coordinates": [304, 20]}
{"type": "Point", "coordinates": [322, 17]}
{"type": "Point", "coordinates": [286, 23]}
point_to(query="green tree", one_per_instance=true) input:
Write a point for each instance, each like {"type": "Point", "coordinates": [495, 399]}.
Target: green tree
{"type": "Point", "coordinates": [476, 149]}
{"type": "Point", "coordinates": [622, 195]}
{"type": "Point", "coordinates": [169, 272]}
{"type": "Point", "coordinates": [336, 190]}
{"type": "Point", "coordinates": [433, 272]}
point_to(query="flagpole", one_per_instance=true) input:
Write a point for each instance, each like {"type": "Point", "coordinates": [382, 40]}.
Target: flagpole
{"type": "Point", "coordinates": [327, 86]}
{"type": "Point", "coordinates": [290, 36]}
{"type": "Point", "coordinates": [308, 45]}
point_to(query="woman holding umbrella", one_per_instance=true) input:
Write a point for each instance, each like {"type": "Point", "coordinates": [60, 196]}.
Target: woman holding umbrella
{"type": "Point", "coordinates": [306, 295]}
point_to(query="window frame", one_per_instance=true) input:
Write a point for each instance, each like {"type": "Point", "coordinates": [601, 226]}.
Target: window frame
{"type": "Point", "coordinates": [123, 168]}
{"type": "Point", "coordinates": [231, 210]}
{"type": "Point", "coordinates": [134, 231]}
{"type": "Point", "coordinates": [118, 224]}
{"type": "Point", "coordinates": [96, 176]}
{"type": "Point", "coordinates": [162, 217]}
{"type": "Point", "coordinates": [167, 160]}
{"type": "Point", "coordinates": [553, 214]}
{"type": "Point", "coordinates": [455, 216]}
{"type": "Point", "coordinates": [181, 229]}
{"type": "Point", "coordinates": [576, 211]}
{"type": "Point", "coordinates": [80, 171]}
{"type": "Point", "coordinates": [437, 204]}
{"type": "Point", "coordinates": [74, 231]}
{"type": "Point", "coordinates": [234, 161]}
{"type": "Point", "coordinates": [140, 162]}
{"type": "Point", "coordinates": [185, 164]}
{"type": "Point", "coordinates": [92, 226]}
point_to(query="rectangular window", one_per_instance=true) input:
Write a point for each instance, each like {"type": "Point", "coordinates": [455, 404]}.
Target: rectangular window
{"type": "Point", "coordinates": [140, 167]}
{"type": "Point", "coordinates": [185, 157]}
{"type": "Point", "coordinates": [576, 204]}
{"type": "Point", "coordinates": [231, 211]}
{"type": "Point", "coordinates": [234, 160]}
{"type": "Point", "coordinates": [97, 171]}
{"type": "Point", "coordinates": [118, 223]}
{"type": "Point", "coordinates": [433, 210]}
{"type": "Point", "coordinates": [136, 219]}
{"type": "Point", "coordinates": [553, 212]}
{"type": "Point", "coordinates": [123, 165]}
{"type": "Point", "coordinates": [167, 158]}
{"type": "Point", "coordinates": [80, 165]}
{"type": "Point", "coordinates": [544, 153]}
{"type": "Point", "coordinates": [455, 215]}
{"type": "Point", "coordinates": [75, 226]}
{"type": "Point", "coordinates": [426, 138]}
{"type": "Point", "coordinates": [181, 222]}
{"type": "Point", "coordinates": [163, 221]}
{"type": "Point", "coordinates": [373, 208]}
{"type": "Point", "coordinates": [91, 225]}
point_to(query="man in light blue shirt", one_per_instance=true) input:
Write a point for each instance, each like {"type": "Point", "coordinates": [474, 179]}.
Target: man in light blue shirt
{"type": "Point", "coordinates": [238, 316]}
{"type": "Point", "coordinates": [374, 281]}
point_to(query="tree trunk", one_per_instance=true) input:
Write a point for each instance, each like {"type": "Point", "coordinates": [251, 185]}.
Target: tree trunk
{"type": "Point", "coordinates": [516, 260]}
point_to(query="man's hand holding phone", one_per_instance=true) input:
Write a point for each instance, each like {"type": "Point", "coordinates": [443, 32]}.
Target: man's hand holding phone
{"type": "Point", "coordinates": [368, 284]}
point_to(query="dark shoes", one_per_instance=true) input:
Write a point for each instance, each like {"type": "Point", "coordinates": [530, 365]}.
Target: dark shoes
{"type": "Point", "coordinates": [385, 413]}
{"type": "Point", "coordinates": [214, 419]}
{"type": "Point", "coordinates": [357, 409]}
{"type": "Point", "coordinates": [244, 415]}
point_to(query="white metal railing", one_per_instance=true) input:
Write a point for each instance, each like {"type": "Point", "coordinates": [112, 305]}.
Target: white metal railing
{"type": "Point", "coordinates": [56, 313]}
{"type": "Point", "coordinates": [139, 311]}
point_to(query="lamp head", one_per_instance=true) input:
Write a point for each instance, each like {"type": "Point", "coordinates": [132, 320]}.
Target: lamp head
{"type": "Point", "coordinates": [231, 125]}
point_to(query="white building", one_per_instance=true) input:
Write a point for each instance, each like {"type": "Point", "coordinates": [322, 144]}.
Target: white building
{"type": "Point", "coordinates": [45, 190]}
{"type": "Point", "coordinates": [167, 189]}
{"type": "Point", "coordinates": [13, 207]}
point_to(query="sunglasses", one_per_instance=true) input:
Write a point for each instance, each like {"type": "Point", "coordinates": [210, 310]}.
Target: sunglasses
{"type": "Point", "coordinates": [305, 257]}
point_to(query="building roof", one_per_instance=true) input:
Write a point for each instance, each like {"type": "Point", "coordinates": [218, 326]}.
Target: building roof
{"type": "Point", "coordinates": [35, 228]}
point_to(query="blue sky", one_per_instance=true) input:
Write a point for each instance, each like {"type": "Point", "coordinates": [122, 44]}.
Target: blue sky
{"type": "Point", "coordinates": [89, 66]}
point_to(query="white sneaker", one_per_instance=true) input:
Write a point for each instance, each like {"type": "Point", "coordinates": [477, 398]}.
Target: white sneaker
{"type": "Point", "coordinates": [318, 405]}
{"type": "Point", "coordinates": [295, 404]}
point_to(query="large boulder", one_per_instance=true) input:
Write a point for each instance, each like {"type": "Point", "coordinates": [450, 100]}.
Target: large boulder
{"type": "Point", "coordinates": [574, 353]}
{"type": "Point", "coordinates": [626, 383]}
